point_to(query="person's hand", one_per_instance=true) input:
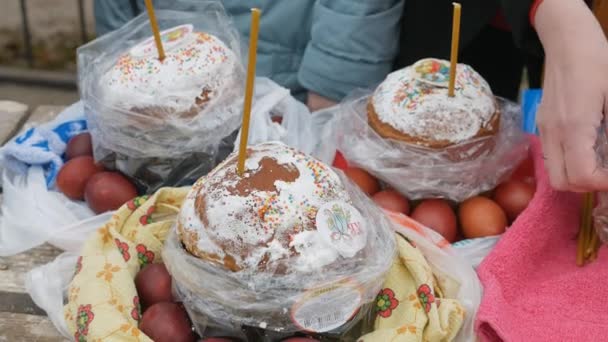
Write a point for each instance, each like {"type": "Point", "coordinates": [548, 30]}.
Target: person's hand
{"type": "Point", "coordinates": [316, 102]}
{"type": "Point", "coordinates": [575, 94]}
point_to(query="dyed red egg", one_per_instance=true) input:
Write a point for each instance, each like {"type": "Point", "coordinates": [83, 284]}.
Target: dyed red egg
{"type": "Point", "coordinates": [393, 201]}
{"type": "Point", "coordinates": [74, 175]}
{"type": "Point", "coordinates": [107, 191]}
{"type": "Point", "coordinates": [364, 180]}
{"type": "Point", "coordinates": [438, 215]}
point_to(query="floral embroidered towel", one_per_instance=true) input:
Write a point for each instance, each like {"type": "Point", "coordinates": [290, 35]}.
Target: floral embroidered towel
{"type": "Point", "coordinates": [102, 301]}
{"type": "Point", "coordinates": [410, 306]}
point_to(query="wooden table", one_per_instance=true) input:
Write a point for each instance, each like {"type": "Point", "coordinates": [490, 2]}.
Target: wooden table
{"type": "Point", "coordinates": [20, 318]}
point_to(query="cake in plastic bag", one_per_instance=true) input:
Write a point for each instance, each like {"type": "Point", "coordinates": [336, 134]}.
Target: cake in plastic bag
{"type": "Point", "coordinates": [291, 245]}
{"type": "Point", "coordinates": [163, 122]}
{"type": "Point", "coordinates": [410, 134]}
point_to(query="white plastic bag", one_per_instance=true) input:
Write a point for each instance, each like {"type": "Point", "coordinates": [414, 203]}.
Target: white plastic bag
{"type": "Point", "coordinates": [271, 100]}
{"type": "Point", "coordinates": [33, 215]}
{"type": "Point", "coordinates": [445, 262]}
{"type": "Point", "coordinates": [48, 285]}
{"type": "Point", "coordinates": [325, 141]}
{"type": "Point", "coordinates": [475, 250]}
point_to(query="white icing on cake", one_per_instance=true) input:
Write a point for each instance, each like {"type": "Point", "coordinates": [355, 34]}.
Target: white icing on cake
{"type": "Point", "coordinates": [199, 62]}
{"type": "Point", "coordinates": [415, 101]}
{"type": "Point", "coordinates": [271, 225]}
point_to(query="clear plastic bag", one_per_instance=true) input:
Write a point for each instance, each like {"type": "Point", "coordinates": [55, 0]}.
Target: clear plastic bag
{"type": "Point", "coordinates": [600, 212]}
{"type": "Point", "coordinates": [331, 300]}
{"type": "Point", "coordinates": [457, 172]}
{"type": "Point", "coordinates": [161, 135]}
{"type": "Point", "coordinates": [273, 101]}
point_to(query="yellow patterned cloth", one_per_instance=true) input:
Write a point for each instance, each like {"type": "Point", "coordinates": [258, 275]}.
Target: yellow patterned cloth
{"type": "Point", "coordinates": [102, 301]}
{"type": "Point", "coordinates": [410, 306]}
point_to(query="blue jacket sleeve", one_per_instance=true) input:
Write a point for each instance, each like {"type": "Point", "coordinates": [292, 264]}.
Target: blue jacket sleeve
{"type": "Point", "coordinates": [113, 14]}
{"type": "Point", "coordinates": [353, 45]}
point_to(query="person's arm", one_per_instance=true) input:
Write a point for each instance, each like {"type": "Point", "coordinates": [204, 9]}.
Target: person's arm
{"type": "Point", "coordinates": [112, 14]}
{"type": "Point", "coordinates": [575, 93]}
{"type": "Point", "coordinates": [353, 45]}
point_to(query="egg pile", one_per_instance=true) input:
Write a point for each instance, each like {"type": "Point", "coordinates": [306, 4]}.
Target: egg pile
{"type": "Point", "coordinates": [81, 178]}
{"type": "Point", "coordinates": [488, 214]}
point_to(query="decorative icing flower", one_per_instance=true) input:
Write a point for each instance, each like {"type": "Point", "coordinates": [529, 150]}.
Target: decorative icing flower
{"type": "Point", "coordinates": [123, 247]}
{"type": "Point", "coordinates": [136, 312]}
{"type": "Point", "coordinates": [425, 294]}
{"type": "Point", "coordinates": [144, 255]}
{"type": "Point", "coordinates": [78, 265]}
{"type": "Point", "coordinates": [147, 218]}
{"type": "Point", "coordinates": [386, 303]}
{"type": "Point", "coordinates": [137, 202]}
{"type": "Point", "coordinates": [84, 317]}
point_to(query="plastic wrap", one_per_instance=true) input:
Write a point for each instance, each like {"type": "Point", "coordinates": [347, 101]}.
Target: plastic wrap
{"type": "Point", "coordinates": [331, 300]}
{"type": "Point", "coordinates": [600, 212]}
{"type": "Point", "coordinates": [457, 172]}
{"type": "Point", "coordinates": [164, 136]}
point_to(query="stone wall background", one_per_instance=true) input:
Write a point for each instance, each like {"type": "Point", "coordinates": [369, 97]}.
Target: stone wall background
{"type": "Point", "coordinates": [55, 32]}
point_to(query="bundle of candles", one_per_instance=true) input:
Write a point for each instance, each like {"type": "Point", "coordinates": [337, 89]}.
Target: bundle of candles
{"type": "Point", "coordinates": [588, 240]}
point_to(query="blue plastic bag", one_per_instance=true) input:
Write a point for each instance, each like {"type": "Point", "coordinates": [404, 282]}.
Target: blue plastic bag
{"type": "Point", "coordinates": [530, 102]}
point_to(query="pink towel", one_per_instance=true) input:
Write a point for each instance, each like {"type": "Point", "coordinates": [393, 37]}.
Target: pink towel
{"type": "Point", "coordinates": [533, 290]}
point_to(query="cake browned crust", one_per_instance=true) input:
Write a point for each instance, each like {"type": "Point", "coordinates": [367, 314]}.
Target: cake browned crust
{"type": "Point", "coordinates": [412, 105]}
{"type": "Point", "coordinates": [264, 218]}
{"type": "Point", "coordinates": [388, 132]}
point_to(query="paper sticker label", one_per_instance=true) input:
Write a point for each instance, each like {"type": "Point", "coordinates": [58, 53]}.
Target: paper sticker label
{"type": "Point", "coordinates": [170, 38]}
{"type": "Point", "coordinates": [433, 71]}
{"type": "Point", "coordinates": [326, 308]}
{"type": "Point", "coordinates": [342, 227]}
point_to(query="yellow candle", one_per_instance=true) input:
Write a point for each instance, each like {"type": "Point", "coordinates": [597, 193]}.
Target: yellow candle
{"type": "Point", "coordinates": [455, 43]}
{"type": "Point", "coordinates": [253, 46]}
{"type": "Point", "coordinates": [155, 31]}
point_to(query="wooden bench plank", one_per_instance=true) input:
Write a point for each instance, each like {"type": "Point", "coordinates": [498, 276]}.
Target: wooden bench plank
{"type": "Point", "coordinates": [13, 268]}
{"type": "Point", "coordinates": [10, 122]}
{"type": "Point", "coordinates": [21, 327]}
{"type": "Point", "coordinates": [43, 114]}
{"type": "Point", "coordinates": [20, 303]}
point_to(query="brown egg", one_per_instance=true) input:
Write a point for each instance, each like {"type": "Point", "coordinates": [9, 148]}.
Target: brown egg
{"type": "Point", "coordinates": [108, 191]}
{"type": "Point", "coordinates": [513, 197]}
{"type": "Point", "coordinates": [167, 322]}
{"type": "Point", "coordinates": [74, 175]}
{"type": "Point", "coordinates": [79, 145]}
{"type": "Point", "coordinates": [480, 217]}
{"type": "Point", "coordinates": [438, 215]}
{"type": "Point", "coordinates": [393, 201]}
{"type": "Point", "coordinates": [364, 180]}
{"type": "Point", "coordinates": [153, 284]}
